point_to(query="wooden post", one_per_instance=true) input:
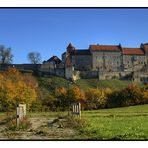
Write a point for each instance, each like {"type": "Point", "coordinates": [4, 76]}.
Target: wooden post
{"type": "Point", "coordinates": [17, 116]}
{"type": "Point", "coordinates": [20, 113]}
{"type": "Point", "coordinates": [80, 109]}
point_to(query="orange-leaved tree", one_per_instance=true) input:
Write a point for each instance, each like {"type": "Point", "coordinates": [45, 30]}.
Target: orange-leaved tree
{"type": "Point", "coordinates": [75, 94]}
{"type": "Point", "coordinates": [66, 97]}
{"type": "Point", "coordinates": [16, 88]}
{"type": "Point", "coordinates": [97, 98]}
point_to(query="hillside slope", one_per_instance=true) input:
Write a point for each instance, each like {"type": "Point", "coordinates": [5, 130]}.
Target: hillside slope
{"type": "Point", "coordinates": [53, 82]}
{"type": "Point", "coordinates": [47, 85]}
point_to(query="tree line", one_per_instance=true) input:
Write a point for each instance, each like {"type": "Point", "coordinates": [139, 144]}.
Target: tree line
{"type": "Point", "coordinates": [16, 87]}
{"type": "Point", "coordinates": [6, 56]}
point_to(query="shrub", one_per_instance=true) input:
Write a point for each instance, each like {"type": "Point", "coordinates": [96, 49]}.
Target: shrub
{"type": "Point", "coordinates": [23, 125]}
{"type": "Point", "coordinates": [131, 95]}
{"type": "Point", "coordinates": [62, 101]}
{"type": "Point", "coordinates": [145, 95]}
{"type": "Point", "coordinates": [75, 122]}
{"type": "Point", "coordinates": [16, 88]}
{"type": "Point", "coordinates": [75, 94]}
{"type": "Point", "coordinates": [114, 99]}
{"type": "Point", "coordinates": [36, 106]}
{"type": "Point", "coordinates": [65, 97]}
{"type": "Point", "coordinates": [96, 98]}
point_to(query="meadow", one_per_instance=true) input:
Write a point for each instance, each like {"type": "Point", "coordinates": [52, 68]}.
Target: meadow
{"type": "Point", "coordinates": [125, 123]}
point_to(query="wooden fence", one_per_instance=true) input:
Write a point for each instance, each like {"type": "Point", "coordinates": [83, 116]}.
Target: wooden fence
{"type": "Point", "coordinates": [76, 109]}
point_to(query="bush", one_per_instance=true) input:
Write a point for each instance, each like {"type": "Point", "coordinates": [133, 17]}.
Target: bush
{"type": "Point", "coordinates": [65, 97]}
{"type": "Point", "coordinates": [16, 88]}
{"type": "Point", "coordinates": [74, 122]}
{"type": "Point", "coordinates": [36, 106]}
{"type": "Point", "coordinates": [62, 101]}
{"type": "Point", "coordinates": [131, 95]}
{"type": "Point", "coordinates": [96, 98]}
{"type": "Point", "coordinates": [114, 99]}
{"type": "Point", "coordinates": [23, 125]}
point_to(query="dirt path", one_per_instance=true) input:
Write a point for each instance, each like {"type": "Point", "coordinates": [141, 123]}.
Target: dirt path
{"type": "Point", "coordinates": [39, 131]}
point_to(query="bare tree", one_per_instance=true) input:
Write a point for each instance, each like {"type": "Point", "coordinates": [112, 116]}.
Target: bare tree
{"type": "Point", "coordinates": [34, 57]}
{"type": "Point", "coordinates": [5, 55]}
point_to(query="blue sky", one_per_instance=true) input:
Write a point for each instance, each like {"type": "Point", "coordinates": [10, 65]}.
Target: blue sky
{"type": "Point", "coordinates": [49, 31]}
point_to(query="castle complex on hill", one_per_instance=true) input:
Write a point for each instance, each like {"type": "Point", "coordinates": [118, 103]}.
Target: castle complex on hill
{"type": "Point", "coordinates": [100, 61]}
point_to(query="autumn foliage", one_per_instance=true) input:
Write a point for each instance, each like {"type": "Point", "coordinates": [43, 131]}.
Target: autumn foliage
{"type": "Point", "coordinates": [62, 101]}
{"type": "Point", "coordinates": [76, 94]}
{"type": "Point", "coordinates": [90, 99]}
{"type": "Point", "coordinates": [104, 97]}
{"type": "Point", "coordinates": [131, 95]}
{"type": "Point", "coordinates": [67, 96]}
{"type": "Point", "coordinates": [96, 98]}
{"type": "Point", "coordinates": [23, 88]}
{"type": "Point", "coordinates": [16, 88]}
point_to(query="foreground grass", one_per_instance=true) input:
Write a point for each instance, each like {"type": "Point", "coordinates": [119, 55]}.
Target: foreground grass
{"type": "Point", "coordinates": [126, 123]}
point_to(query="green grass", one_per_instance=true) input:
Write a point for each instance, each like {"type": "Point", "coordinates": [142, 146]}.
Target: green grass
{"type": "Point", "coordinates": [49, 84]}
{"type": "Point", "coordinates": [53, 82]}
{"type": "Point", "coordinates": [127, 123]}
{"type": "Point", "coordinates": [95, 83]}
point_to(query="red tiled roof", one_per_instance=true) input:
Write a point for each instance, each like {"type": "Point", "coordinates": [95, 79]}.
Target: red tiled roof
{"type": "Point", "coordinates": [132, 51]}
{"type": "Point", "coordinates": [105, 47]}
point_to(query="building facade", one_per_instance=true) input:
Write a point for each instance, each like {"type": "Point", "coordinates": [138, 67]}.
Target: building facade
{"type": "Point", "coordinates": [98, 61]}
{"type": "Point", "coordinates": [80, 59]}
{"type": "Point", "coordinates": [108, 58]}
{"type": "Point", "coordinates": [134, 59]}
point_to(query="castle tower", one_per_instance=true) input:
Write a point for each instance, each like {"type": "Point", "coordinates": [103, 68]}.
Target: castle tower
{"type": "Point", "coordinates": [70, 48]}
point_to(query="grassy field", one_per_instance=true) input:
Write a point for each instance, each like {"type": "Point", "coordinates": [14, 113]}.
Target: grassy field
{"type": "Point", "coordinates": [126, 123]}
